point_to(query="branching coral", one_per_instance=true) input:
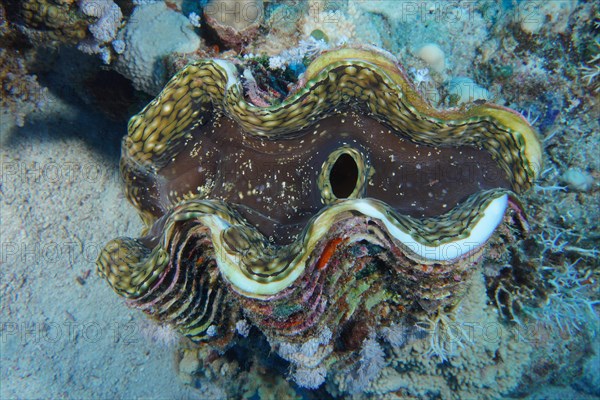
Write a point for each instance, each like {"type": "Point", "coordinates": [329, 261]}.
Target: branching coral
{"type": "Point", "coordinates": [542, 283]}
{"type": "Point", "coordinates": [591, 71]}
{"type": "Point", "coordinates": [555, 240]}
{"type": "Point", "coordinates": [445, 333]}
{"type": "Point", "coordinates": [570, 306]}
{"type": "Point", "coordinates": [395, 334]}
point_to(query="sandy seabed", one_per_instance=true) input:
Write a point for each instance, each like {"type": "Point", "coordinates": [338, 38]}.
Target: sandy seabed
{"type": "Point", "coordinates": [64, 334]}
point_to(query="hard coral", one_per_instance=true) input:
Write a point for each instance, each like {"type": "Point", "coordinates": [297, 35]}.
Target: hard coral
{"type": "Point", "coordinates": [153, 33]}
{"type": "Point", "coordinates": [323, 22]}
{"type": "Point", "coordinates": [104, 30]}
{"type": "Point", "coordinates": [54, 20]}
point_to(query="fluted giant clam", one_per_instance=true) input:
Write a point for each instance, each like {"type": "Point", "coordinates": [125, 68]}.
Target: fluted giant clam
{"type": "Point", "coordinates": [352, 197]}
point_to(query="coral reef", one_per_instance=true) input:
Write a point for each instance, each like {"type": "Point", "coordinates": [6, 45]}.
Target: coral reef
{"type": "Point", "coordinates": [252, 169]}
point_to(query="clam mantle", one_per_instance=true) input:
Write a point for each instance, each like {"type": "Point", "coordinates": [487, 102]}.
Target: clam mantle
{"type": "Point", "coordinates": [353, 197]}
